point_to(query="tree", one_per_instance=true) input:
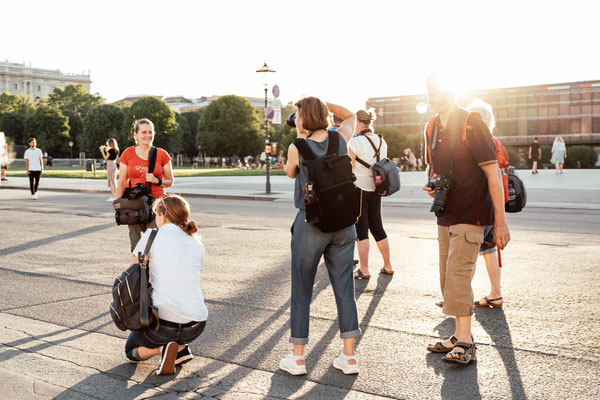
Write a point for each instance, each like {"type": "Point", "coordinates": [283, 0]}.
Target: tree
{"type": "Point", "coordinates": [157, 111]}
{"type": "Point", "coordinates": [283, 133]}
{"type": "Point", "coordinates": [14, 103]}
{"type": "Point", "coordinates": [76, 128]}
{"type": "Point", "coordinates": [75, 98]}
{"type": "Point", "coordinates": [230, 126]}
{"type": "Point", "coordinates": [181, 141]}
{"type": "Point", "coordinates": [51, 129]}
{"type": "Point", "coordinates": [192, 118]}
{"type": "Point", "coordinates": [13, 125]}
{"type": "Point", "coordinates": [101, 123]}
{"type": "Point", "coordinates": [398, 140]}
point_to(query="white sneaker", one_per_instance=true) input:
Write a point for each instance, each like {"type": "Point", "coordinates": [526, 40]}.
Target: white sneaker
{"type": "Point", "coordinates": [110, 199]}
{"type": "Point", "coordinates": [34, 196]}
{"type": "Point", "coordinates": [290, 365]}
{"type": "Point", "coordinates": [341, 363]}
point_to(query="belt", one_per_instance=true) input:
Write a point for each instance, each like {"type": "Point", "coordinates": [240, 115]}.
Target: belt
{"type": "Point", "coordinates": [176, 325]}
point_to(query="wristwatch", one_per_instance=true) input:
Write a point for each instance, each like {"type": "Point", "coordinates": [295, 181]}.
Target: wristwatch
{"type": "Point", "coordinates": [159, 182]}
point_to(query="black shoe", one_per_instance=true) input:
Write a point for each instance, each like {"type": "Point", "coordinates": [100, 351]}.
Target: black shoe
{"type": "Point", "coordinates": [167, 361]}
{"type": "Point", "coordinates": [4, 179]}
{"type": "Point", "coordinates": [185, 355]}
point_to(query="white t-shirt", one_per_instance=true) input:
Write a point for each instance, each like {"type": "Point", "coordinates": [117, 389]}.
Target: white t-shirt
{"type": "Point", "coordinates": [35, 159]}
{"type": "Point", "coordinates": [176, 259]}
{"type": "Point", "coordinates": [362, 148]}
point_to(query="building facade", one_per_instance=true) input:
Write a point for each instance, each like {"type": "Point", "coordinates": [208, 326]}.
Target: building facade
{"type": "Point", "coordinates": [36, 82]}
{"type": "Point", "coordinates": [181, 104]}
{"type": "Point", "coordinates": [571, 110]}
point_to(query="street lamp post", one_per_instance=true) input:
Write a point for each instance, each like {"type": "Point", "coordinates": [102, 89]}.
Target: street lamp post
{"type": "Point", "coordinates": [421, 110]}
{"type": "Point", "coordinates": [71, 151]}
{"type": "Point", "coordinates": [264, 71]}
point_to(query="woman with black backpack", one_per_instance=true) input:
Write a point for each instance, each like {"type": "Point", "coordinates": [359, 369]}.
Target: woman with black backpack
{"type": "Point", "coordinates": [363, 149]}
{"type": "Point", "coordinates": [133, 169]}
{"type": "Point", "coordinates": [310, 241]}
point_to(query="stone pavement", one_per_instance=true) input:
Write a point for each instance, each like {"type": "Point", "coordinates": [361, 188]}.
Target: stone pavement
{"type": "Point", "coordinates": [544, 190]}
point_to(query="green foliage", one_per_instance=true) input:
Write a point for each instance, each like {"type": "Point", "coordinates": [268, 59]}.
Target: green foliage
{"type": "Point", "coordinates": [157, 111]}
{"type": "Point", "coordinates": [398, 140]}
{"type": "Point", "coordinates": [192, 118]}
{"type": "Point", "coordinates": [586, 156]}
{"type": "Point", "coordinates": [51, 129]}
{"type": "Point", "coordinates": [75, 98]}
{"type": "Point", "coordinates": [546, 154]}
{"type": "Point", "coordinates": [13, 125]}
{"type": "Point", "coordinates": [76, 128]}
{"type": "Point", "coordinates": [10, 103]}
{"type": "Point", "coordinates": [282, 133]}
{"type": "Point", "coordinates": [230, 126]}
{"type": "Point", "coordinates": [182, 141]}
{"type": "Point", "coordinates": [101, 123]}
{"type": "Point", "coordinates": [513, 156]}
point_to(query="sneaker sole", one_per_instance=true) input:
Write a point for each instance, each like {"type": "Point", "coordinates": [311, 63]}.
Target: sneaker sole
{"type": "Point", "coordinates": [184, 359]}
{"type": "Point", "coordinates": [346, 371]}
{"type": "Point", "coordinates": [167, 363]}
{"type": "Point", "coordinates": [294, 372]}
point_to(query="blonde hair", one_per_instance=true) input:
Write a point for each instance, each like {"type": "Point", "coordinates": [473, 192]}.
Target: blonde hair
{"type": "Point", "coordinates": [485, 110]}
{"type": "Point", "coordinates": [559, 139]}
{"type": "Point", "coordinates": [177, 210]}
{"type": "Point", "coordinates": [112, 142]}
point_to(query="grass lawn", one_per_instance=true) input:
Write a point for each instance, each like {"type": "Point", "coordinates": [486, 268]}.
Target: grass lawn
{"type": "Point", "coordinates": [79, 172]}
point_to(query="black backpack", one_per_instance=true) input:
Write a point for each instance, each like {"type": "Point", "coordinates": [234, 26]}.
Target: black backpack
{"type": "Point", "coordinates": [385, 172]}
{"type": "Point", "coordinates": [132, 308]}
{"type": "Point", "coordinates": [332, 200]}
{"type": "Point", "coordinates": [517, 195]}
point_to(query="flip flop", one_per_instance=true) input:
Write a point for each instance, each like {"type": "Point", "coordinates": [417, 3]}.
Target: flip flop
{"type": "Point", "coordinates": [360, 275]}
{"type": "Point", "coordinates": [489, 303]}
{"type": "Point", "coordinates": [384, 271]}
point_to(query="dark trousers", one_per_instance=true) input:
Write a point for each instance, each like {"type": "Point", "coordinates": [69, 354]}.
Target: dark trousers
{"type": "Point", "coordinates": [370, 217]}
{"type": "Point", "coordinates": [153, 338]}
{"type": "Point", "coordinates": [34, 180]}
{"type": "Point", "coordinates": [136, 231]}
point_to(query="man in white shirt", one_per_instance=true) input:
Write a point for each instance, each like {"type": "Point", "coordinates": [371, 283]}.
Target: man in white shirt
{"type": "Point", "coordinates": [33, 166]}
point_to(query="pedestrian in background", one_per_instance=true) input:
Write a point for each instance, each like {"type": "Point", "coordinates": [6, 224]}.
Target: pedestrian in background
{"type": "Point", "coordinates": [133, 169]}
{"type": "Point", "coordinates": [3, 156]}
{"type": "Point", "coordinates": [361, 151]}
{"type": "Point", "coordinates": [559, 153]}
{"type": "Point", "coordinates": [488, 247]}
{"type": "Point", "coordinates": [535, 153]}
{"type": "Point", "coordinates": [309, 243]}
{"type": "Point", "coordinates": [110, 156]}
{"type": "Point", "coordinates": [176, 259]}
{"type": "Point", "coordinates": [34, 166]}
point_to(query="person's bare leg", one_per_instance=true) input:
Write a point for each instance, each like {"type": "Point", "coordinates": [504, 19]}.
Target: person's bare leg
{"type": "Point", "coordinates": [561, 167]}
{"type": "Point", "coordinates": [145, 353]}
{"type": "Point", "coordinates": [113, 190]}
{"type": "Point", "coordinates": [298, 350]}
{"type": "Point", "coordinates": [384, 249]}
{"type": "Point", "coordinates": [349, 349]}
{"type": "Point", "coordinates": [535, 166]}
{"type": "Point", "coordinates": [556, 166]}
{"type": "Point", "coordinates": [494, 272]}
{"type": "Point", "coordinates": [363, 255]}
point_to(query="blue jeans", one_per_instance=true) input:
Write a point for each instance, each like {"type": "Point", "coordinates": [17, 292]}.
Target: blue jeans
{"type": "Point", "coordinates": [153, 338]}
{"type": "Point", "coordinates": [488, 246]}
{"type": "Point", "coordinates": [308, 245]}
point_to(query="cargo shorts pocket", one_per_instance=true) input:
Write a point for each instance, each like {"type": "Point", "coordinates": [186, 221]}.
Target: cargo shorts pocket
{"type": "Point", "coordinates": [470, 248]}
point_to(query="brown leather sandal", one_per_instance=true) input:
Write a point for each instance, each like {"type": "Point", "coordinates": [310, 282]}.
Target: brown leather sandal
{"type": "Point", "coordinates": [440, 348]}
{"type": "Point", "coordinates": [464, 358]}
{"type": "Point", "coordinates": [359, 275]}
{"type": "Point", "coordinates": [489, 303]}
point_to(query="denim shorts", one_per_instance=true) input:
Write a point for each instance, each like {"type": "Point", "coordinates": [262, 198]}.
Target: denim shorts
{"type": "Point", "coordinates": [488, 246]}
{"type": "Point", "coordinates": [153, 338]}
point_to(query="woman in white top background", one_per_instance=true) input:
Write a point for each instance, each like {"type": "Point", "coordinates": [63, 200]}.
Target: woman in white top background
{"type": "Point", "coordinates": [370, 218]}
{"type": "Point", "coordinates": [176, 258]}
{"type": "Point", "coordinates": [34, 166]}
{"type": "Point", "coordinates": [559, 153]}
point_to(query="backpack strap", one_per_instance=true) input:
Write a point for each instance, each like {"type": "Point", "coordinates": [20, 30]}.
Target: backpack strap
{"type": "Point", "coordinates": [144, 316]}
{"type": "Point", "coordinates": [151, 165]}
{"type": "Point", "coordinates": [334, 143]}
{"type": "Point", "coordinates": [377, 150]}
{"type": "Point", "coordinates": [466, 127]}
{"type": "Point", "coordinates": [304, 149]}
{"type": "Point", "coordinates": [428, 138]}
{"type": "Point", "coordinates": [357, 158]}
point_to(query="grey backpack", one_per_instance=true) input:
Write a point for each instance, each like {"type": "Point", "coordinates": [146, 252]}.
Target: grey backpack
{"type": "Point", "coordinates": [385, 172]}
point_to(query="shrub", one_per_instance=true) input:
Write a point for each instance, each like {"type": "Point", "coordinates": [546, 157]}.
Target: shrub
{"type": "Point", "coordinates": [585, 155]}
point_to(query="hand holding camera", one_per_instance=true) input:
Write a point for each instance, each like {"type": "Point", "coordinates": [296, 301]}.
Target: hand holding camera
{"type": "Point", "coordinates": [438, 187]}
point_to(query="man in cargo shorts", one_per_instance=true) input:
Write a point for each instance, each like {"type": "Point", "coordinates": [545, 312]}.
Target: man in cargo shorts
{"type": "Point", "coordinates": [475, 200]}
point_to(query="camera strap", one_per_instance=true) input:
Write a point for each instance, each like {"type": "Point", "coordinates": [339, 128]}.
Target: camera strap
{"type": "Point", "coordinates": [151, 166]}
{"type": "Point", "coordinates": [451, 144]}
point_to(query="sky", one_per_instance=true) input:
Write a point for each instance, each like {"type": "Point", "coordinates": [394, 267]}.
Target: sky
{"type": "Point", "coordinates": [342, 51]}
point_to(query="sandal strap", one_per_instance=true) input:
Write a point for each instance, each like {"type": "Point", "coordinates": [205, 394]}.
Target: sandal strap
{"type": "Point", "coordinates": [453, 339]}
{"type": "Point", "coordinates": [464, 345]}
{"type": "Point", "coordinates": [490, 300]}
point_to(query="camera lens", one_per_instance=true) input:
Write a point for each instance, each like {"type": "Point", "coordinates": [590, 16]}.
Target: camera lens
{"type": "Point", "coordinates": [291, 120]}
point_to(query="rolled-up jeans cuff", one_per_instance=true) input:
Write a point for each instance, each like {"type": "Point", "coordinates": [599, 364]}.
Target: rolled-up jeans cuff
{"type": "Point", "coordinates": [295, 340]}
{"type": "Point", "coordinates": [350, 334]}
{"type": "Point", "coordinates": [488, 251]}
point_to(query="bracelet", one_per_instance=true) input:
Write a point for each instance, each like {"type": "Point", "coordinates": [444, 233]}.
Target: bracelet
{"type": "Point", "coordinates": [159, 182]}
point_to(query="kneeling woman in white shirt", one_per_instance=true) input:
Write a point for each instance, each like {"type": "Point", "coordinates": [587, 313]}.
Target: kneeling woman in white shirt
{"type": "Point", "coordinates": [176, 258]}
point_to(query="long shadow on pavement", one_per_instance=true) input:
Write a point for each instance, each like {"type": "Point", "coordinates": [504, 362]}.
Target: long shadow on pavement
{"type": "Point", "coordinates": [41, 242]}
{"type": "Point", "coordinates": [495, 324]}
{"type": "Point", "coordinates": [460, 382]}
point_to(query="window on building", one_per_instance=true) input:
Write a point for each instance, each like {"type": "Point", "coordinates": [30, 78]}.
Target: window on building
{"type": "Point", "coordinates": [595, 125]}
{"type": "Point", "coordinates": [532, 127]}
{"type": "Point", "coordinates": [543, 127]}
{"type": "Point", "coordinates": [14, 85]}
{"type": "Point", "coordinates": [576, 95]}
{"type": "Point", "coordinates": [575, 110]}
{"type": "Point", "coordinates": [38, 88]}
{"type": "Point", "coordinates": [596, 94]}
{"type": "Point", "coordinates": [575, 124]}
{"type": "Point", "coordinates": [565, 126]}
{"type": "Point", "coordinates": [532, 112]}
{"type": "Point", "coordinates": [554, 126]}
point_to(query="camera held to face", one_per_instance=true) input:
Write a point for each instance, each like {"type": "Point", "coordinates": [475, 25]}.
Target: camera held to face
{"type": "Point", "coordinates": [291, 120]}
{"type": "Point", "coordinates": [442, 185]}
